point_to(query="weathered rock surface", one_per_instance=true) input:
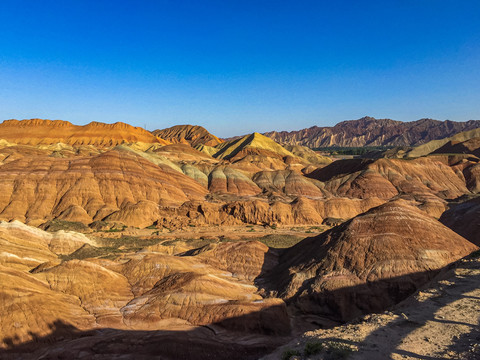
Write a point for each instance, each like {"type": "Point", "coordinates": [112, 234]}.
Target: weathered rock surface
{"type": "Point", "coordinates": [189, 134]}
{"type": "Point", "coordinates": [368, 131]}
{"type": "Point", "coordinates": [48, 301]}
{"type": "Point", "coordinates": [86, 189]}
{"type": "Point", "coordinates": [29, 307]}
{"type": "Point", "coordinates": [102, 292]}
{"type": "Point", "coordinates": [38, 131]}
{"type": "Point", "coordinates": [368, 263]}
{"type": "Point", "coordinates": [24, 247]}
{"type": "Point", "coordinates": [386, 178]}
{"type": "Point", "coordinates": [440, 321]}
{"type": "Point", "coordinates": [250, 144]}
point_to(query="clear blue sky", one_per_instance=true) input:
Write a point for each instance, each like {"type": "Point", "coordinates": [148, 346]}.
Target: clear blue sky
{"type": "Point", "coordinates": [239, 66]}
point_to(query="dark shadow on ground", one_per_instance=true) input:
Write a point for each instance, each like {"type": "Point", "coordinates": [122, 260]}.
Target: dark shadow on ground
{"type": "Point", "coordinates": [415, 313]}
{"type": "Point", "coordinates": [65, 341]}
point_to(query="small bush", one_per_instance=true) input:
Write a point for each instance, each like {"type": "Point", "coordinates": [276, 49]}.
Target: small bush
{"type": "Point", "coordinates": [287, 354]}
{"type": "Point", "coordinates": [313, 347]}
{"type": "Point", "coordinates": [339, 351]}
{"type": "Point", "coordinates": [475, 254]}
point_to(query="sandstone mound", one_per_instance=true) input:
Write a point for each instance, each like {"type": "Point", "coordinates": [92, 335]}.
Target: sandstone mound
{"type": "Point", "coordinates": [470, 146]}
{"type": "Point", "coordinates": [189, 134]}
{"type": "Point", "coordinates": [201, 288]}
{"type": "Point", "coordinates": [367, 264]}
{"type": "Point", "coordinates": [25, 247]}
{"type": "Point", "coordinates": [102, 292]}
{"type": "Point", "coordinates": [86, 189]}
{"type": "Point", "coordinates": [246, 260]}
{"type": "Point", "coordinates": [248, 144]}
{"type": "Point", "coordinates": [308, 155]}
{"type": "Point", "coordinates": [45, 132]}
{"type": "Point", "coordinates": [385, 178]}
{"type": "Point", "coordinates": [435, 145]}
{"type": "Point", "coordinates": [227, 180]}
{"type": "Point", "coordinates": [289, 182]}
{"type": "Point", "coordinates": [144, 291]}
{"type": "Point", "coordinates": [29, 306]}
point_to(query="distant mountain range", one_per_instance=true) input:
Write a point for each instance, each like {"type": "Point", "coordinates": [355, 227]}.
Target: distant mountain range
{"type": "Point", "coordinates": [369, 131]}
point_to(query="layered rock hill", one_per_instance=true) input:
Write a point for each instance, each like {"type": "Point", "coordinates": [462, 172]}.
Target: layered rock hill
{"type": "Point", "coordinates": [189, 134]}
{"type": "Point", "coordinates": [251, 179]}
{"type": "Point", "coordinates": [45, 132]}
{"type": "Point", "coordinates": [114, 183]}
{"type": "Point", "coordinates": [367, 264]}
{"type": "Point", "coordinates": [141, 291]}
{"type": "Point", "coordinates": [427, 180]}
{"type": "Point", "coordinates": [434, 146]}
{"type": "Point", "coordinates": [137, 299]}
{"type": "Point", "coordinates": [470, 146]}
{"type": "Point", "coordinates": [369, 131]}
{"type": "Point", "coordinates": [250, 144]}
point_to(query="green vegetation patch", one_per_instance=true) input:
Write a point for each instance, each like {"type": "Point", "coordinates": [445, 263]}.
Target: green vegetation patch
{"type": "Point", "coordinates": [355, 151]}
{"type": "Point", "coordinates": [57, 224]}
{"type": "Point", "coordinates": [279, 241]}
{"type": "Point", "coordinates": [111, 248]}
{"type": "Point", "coordinates": [313, 348]}
{"type": "Point", "coordinates": [289, 353]}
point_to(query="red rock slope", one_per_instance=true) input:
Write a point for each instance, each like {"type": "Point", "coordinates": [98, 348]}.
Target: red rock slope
{"type": "Point", "coordinates": [190, 134]}
{"type": "Point", "coordinates": [367, 264]}
{"type": "Point", "coordinates": [38, 131]}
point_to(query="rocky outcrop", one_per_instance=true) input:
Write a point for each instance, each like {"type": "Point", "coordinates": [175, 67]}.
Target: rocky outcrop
{"type": "Point", "coordinates": [250, 144]}
{"type": "Point", "coordinates": [301, 211]}
{"type": "Point", "coordinates": [470, 146]}
{"type": "Point", "coordinates": [85, 189]}
{"type": "Point", "coordinates": [369, 131]}
{"type": "Point", "coordinates": [193, 135]}
{"type": "Point", "coordinates": [24, 247]}
{"type": "Point", "coordinates": [227, 180]}
{"type": "Point", "coordinates": [386, 178]}
{"type": "Point", "coordinates": [368, 263]}
{"type": "Point", "coordinates": [49, 301]}
{"type": "Point", "coordinates": [187, 289]}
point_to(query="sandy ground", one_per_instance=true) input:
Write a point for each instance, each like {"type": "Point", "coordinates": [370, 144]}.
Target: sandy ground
{"type": "Point", "coordinates": [441, 321]}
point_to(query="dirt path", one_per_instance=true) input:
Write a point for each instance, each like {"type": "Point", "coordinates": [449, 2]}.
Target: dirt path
{"type": "Point", "coordinates": [442, 321]}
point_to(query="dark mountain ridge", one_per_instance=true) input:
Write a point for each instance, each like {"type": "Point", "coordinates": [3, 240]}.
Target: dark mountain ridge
{"type": "Point", "coordinates": [369, 131]}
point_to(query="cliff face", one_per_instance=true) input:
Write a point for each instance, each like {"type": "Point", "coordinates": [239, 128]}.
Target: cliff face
{"type": "Point", "coordinates": [368, 131]}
